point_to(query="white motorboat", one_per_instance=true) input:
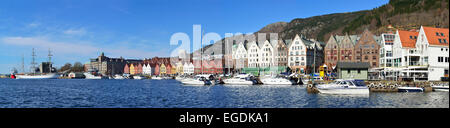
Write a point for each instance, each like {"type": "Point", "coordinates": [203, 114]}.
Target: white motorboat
{"type": "Point", "coordinates": [39, 76]}
{"type": "Point", "coordinates": [118, 77]}
{"type": "Point", "coordinates": [157, 78]}
{"type": "Point", "coordinates": [241, 79]}
{"type": "Point", "coordinates": [410, 89]}
{"type": "Point", "coordinates": [90, 76]}
{"type": "Point", "coordinates": [440, 87]}
{"type": "Point", "coordinates": [346, 87]}
{"type": "Point", "coordinates": [138, 77]}
{"type": "Point", "coordinates": [276, 81]}
{"type": "Point", "coordinates": [197, 81]}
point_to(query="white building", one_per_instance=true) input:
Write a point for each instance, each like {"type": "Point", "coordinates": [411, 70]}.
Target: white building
{"type": "Point", "coordinates": [406, 57]}
{"type": "Point", "coordinates": [146, 69]}
{"type": "Point", "coordinates": [433, 44]}
{"type": "Point", "coordinates": [188, 68]}
{"type": "Point", "coordinates": [253, 54]}
{"type": "Point", "coordinates": [267, 55]}
{"type": "Point", "coordinates": [297, 55]}
{"type": "Point", "coordinates": [240, 56]}
{"type": "Point", "coordinates": [386, 55]}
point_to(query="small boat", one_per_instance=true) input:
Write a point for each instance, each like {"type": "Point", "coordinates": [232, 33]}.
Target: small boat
{"type": "Point", "coordinates": [440, 87]}
{"type": "Point", "coordinates": [241, 79]}
{"type": "Point", "coordinates": [138, 77]}
{"type": "Point", "coordinates": [346, 87]}
{"type": "Point", "coordinates": [118, 77]}
{"type": "Point", "coordinates": [198, 80]}
{"type": "Point", "coordinates": [93, 77]}
{"type": "Point", "coordinates": [157, 78]}
{"type": "Point", "coordinates": [40, 76]}
{"type": "Point", "coordinates": [410, 89]}
{"type": "Point", "coordinates": [276, 81]}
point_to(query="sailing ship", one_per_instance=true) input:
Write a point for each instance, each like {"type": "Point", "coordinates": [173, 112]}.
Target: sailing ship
{"type": "Point", "coordinates": [34, 75]}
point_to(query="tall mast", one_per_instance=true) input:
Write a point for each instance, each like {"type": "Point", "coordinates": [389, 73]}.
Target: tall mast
{"type": "Point", "coordinates": [49, 61]}
{"type": "Point", "coordinates": [23, 64]}
{"type": "Point", "coordinates": [33, 63]}
{"type": "Point", "coordinates": [201, 51]}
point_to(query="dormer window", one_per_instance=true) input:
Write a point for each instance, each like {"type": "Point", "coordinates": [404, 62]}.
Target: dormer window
{"type": "Point", "coordinates": [440, 41]}
{"type": "Point", "coordinates": [410, 37]}
{"type": "Point", "coordinates": [437, 34]}
{"type": "Point", "coordinates": [442, 34]}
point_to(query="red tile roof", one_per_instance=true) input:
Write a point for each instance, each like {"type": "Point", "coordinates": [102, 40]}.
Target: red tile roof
{"type": "Point", "coordinates": [408, 38]}
{"type": "Point", "coordinates": [433, 39]}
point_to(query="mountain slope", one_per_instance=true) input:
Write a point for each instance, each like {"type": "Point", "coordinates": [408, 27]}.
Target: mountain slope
{"type": "Point", "coordinates": [401, 14]}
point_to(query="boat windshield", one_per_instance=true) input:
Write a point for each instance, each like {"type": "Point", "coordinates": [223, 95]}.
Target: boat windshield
{"type": "Point", "coordinates": [359, 83]}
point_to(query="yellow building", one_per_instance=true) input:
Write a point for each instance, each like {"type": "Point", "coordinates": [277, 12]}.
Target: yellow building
{"type": "Point", "coordinates": [162, 69]}
{"type": "Point", "coordinates": [173, 70]}
{"type": "Point", "coordinates": [132, 69]}
{"type": "Point", "coordinates": [180, 68]}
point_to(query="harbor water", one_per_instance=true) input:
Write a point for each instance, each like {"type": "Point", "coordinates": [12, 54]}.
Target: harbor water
{"type": "Point", "coordinates": [81, 93]}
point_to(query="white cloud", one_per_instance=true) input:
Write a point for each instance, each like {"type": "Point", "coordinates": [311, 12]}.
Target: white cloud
{"type": "Point", "coordinates": [33, 25]}
{"type": "Point", "coordinates": [80, 31]}
{"type": "Point", "coordinates": [80, 49]}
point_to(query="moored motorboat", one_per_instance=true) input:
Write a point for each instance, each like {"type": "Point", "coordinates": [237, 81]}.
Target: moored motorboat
{"type": "Point", "coordinates": [138, 77]}
{"type": "Point", "coordinates": [93, 77]}
{"type": "Point", "coordinates": [440, 87]}
{"type": "Point", "coordinates": [276, 81]}
{"type": "Point", "coordinates": [198, 80]}
{"type": "Point", "coordinates": [118, 77]}
{"type": "Point", "coordinates": [241, 79]}
{"type": "Point", "coordinates": [346, 87]}
{"type": "Point", "coordinates": [410, 89]}
{"type": "Point", "coordinates": [156, 78]}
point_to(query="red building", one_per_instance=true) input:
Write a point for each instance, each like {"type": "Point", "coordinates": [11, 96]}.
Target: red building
{"type": "Point", "coordinates": [126, 69]}
{"type": "Point", "coordinates": [139, 68]}
{"type": "Point", "coordinates": [156, 69]}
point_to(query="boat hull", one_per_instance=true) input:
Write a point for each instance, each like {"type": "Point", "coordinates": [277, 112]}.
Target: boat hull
{"type": "Point", "coordinates": [48, 76]}
{"type": "Point", "coordinates": [345, 91]}
{"type": "Point", "coordinates": [232, 82]}
{"type": "Point", "coordinates": [410, 89]}
{"type": "Point", "coordinates": [276, 82]}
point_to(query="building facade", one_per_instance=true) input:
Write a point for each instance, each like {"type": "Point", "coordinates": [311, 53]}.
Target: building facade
{"type": "Point", "coordinates": [367, 48]}
{"type": "Point", "coordinates": [297, 55]}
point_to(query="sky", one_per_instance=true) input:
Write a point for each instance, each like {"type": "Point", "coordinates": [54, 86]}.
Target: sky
{"type": "Point", "coordinates": [76, 30]}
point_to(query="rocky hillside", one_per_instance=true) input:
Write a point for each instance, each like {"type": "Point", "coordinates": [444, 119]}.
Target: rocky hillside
{"type": "Point", "coordinates": [400, 14]}
{"type": "Point", "coordinates": [397, 14]}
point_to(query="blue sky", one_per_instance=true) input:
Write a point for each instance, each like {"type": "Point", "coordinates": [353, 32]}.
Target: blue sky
{"type": "Point", "coordinates": [77, 30]}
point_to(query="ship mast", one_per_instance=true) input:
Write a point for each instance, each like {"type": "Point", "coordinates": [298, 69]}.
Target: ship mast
{"type": "Point", "coordinates": [50, 61]}
{"type": "Point", "coordinates": [33, 63]}
{"type": "Point", "coordinates": [23, 65]}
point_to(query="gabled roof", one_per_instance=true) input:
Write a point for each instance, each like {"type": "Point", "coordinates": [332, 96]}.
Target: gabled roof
{"type": "Point", "coordinates": [353, 65]}
{"type": "Point", "coordinates": [433, 39]}
{"type": "Point", "coordinates": [408, 38]}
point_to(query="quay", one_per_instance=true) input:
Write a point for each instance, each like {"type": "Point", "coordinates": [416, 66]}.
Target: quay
{"type": "Point", "coordinates": [387, 86]}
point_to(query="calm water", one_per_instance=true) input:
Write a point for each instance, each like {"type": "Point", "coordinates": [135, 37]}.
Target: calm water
{"type": "Point", "coordinates": [172, 94]}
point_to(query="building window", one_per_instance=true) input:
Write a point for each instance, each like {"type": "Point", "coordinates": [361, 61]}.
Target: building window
{"type": "Point", "coordinates": [440, 59]}
{"type": "Point", "coordinates": [437, 34]}
{"type": "Point", "coordinates": [348, 71]}
{"type": "Point", "coordinates": [359, 71]}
